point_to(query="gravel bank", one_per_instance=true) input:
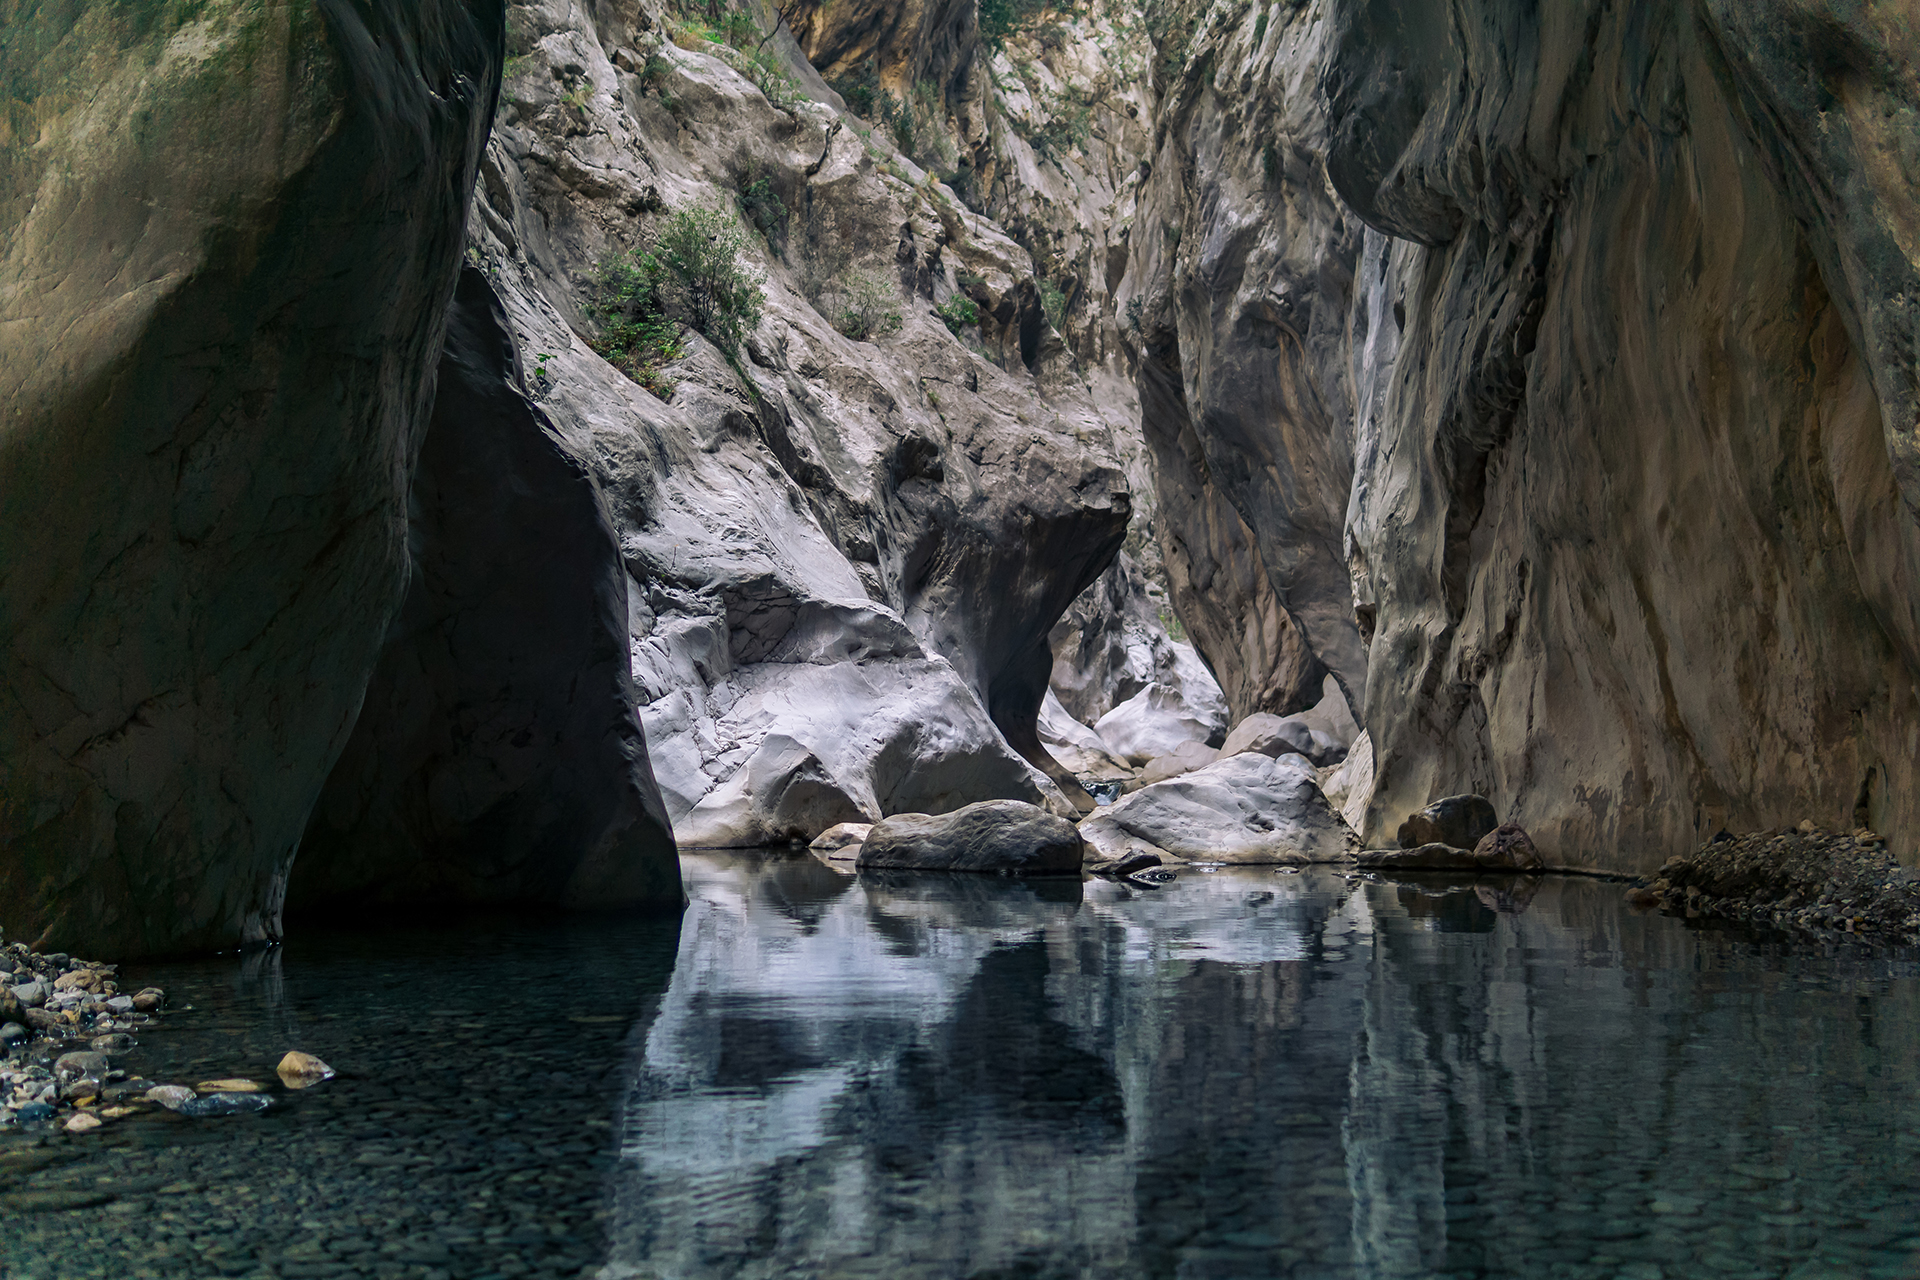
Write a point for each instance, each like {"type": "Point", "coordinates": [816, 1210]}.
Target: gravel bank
{"type": "Point", "coordinates": [1805, 881]}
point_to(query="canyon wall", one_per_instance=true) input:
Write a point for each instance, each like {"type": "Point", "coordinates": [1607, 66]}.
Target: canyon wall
{"type": "Point", "coordinates": [847, 548]}
{"type": "Point", "coordinates": [230, 234]}
{"type": "Point", "coordinates": [1608, 410]}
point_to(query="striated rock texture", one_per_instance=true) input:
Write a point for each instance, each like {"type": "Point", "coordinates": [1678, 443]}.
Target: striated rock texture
{"type": "Point", "coordinates": [848, 552]}
{"type": "Point", "coordinates": [1237, 295]}
{"type": "Point", "coordinates": [1549, 374]}
{"type": "Point", "coordinates": [498, 757]}
{"type": "Point", "coordinates": [1634, 512]}
{"type": "Point", "coordinates": [231, 231]}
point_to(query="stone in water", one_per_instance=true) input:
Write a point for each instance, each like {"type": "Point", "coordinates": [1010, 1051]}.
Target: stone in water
{"type": "Point", "coordinates": [302, 1070]}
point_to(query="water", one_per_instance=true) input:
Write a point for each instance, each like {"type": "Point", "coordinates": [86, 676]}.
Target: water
{"type": "Point", "coordinates": [1241, 1073]}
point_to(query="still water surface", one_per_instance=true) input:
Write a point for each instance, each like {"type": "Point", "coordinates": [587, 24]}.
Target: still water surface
{"type": "Point", "coordinates": [1239, 1074]}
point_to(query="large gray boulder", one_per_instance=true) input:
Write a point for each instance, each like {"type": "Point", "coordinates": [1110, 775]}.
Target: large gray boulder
{"type": "Point", "coordinates": [230, 234]}
{"type": "Point", "coordinates": [1183, 704]}
{"type": "Point", "coordinates": [498, 757]}
{"type": "Point", "coordinates": [999, 836]}
{"type": "Point", "coordinates": [1460, 821]}
{"type": "Point", "coordinates": [1246, 808]}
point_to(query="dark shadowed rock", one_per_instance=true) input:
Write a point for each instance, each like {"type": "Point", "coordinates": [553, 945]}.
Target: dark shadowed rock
{"type": "Point", "coordinates": [231, 233]}
{"type": "Point", "coordinates": [1460, 821]}
{"type": "Point", "coordinates": [1508, 845]}
{"type": "Point", "coordinates": [1003, 836]}
{"type": "Point", "coordinates": [498, 756]}
{"type": "Point", "coordinates": [1506, 849]}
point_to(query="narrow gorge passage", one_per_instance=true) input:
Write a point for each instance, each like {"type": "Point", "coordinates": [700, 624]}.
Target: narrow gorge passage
{"type": "Point", "coordinates": [959, 637]}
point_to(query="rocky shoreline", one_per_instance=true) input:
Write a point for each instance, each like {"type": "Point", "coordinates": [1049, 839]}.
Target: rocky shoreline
{"type": "Point", "coordinates": [64, 1023]}
{"type": "Point", "coordinates": [1804, 881]}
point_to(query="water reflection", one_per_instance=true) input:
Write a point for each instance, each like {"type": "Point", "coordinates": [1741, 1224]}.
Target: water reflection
{"type": "Point", "coordinates": [1251, 1074]}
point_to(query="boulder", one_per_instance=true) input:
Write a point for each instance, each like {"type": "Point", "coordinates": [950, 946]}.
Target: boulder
{"type": "Point", "coordinates": [1077, 747]}
{"type": "Point", "coordinates": [1506, 849]}
{"type": "Point", "coordinates": [1272, 736]}
{"type": "Point", "coordinates": [221, 337]}
{"type": "Point", "coordinates": [842, 840]}
{"type": "Point", "coordinates": [1183, 705]}
{"type": "Point", "coordinates": [811, 713]}
{"type": "Point", "coordinates": [1508, 845]}
{"type": "Point", "coordinates": [1184, 758]}
{"type": "Point", "coordinates": [1246, 809]}
{"type": "Point", "coordinates": [497, 757]}
{"type": "Point", "coordinates": [1459, 821]}
{"type": "Point", "coordinates": [1001, 836]}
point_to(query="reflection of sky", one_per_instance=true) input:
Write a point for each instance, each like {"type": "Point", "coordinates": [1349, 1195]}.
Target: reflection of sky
{"type": "Point", "coordinates": [1240, 1073]}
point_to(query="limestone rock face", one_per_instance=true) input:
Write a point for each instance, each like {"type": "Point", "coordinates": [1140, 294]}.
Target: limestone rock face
{"type": "Point", "coordinates": [1239, 291]}
{"type": "Point", "coordinates": [1634, 506]}
{"type": "Point", "coordinates": [1000, 836]}
{"type": "Point", "coordinates": [1549, 374]}
{"type": "Point", "coordinates": [229, 242]}
{"type": "Point", "coordinates": [497, 757]}
{"type": "Point", "coordinates": [848, 554]}
{"type": "Point", "coordinates": [1245, 808]}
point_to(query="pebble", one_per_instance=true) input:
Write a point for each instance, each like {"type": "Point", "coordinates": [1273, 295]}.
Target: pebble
{"type": "Point", "coordinates": [117, 1042]}
{"type": "Point", "coordinates": [170, 1096]}
{"type": "Point", "coordinates": [232, 1085]}
{"type": "Point", "coordinates": [81, 1121]}
{"type": "Point", "coordinates": [302, 1070]}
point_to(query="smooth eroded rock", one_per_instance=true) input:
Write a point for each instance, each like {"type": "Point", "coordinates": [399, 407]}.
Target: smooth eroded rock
{"type": "Point", "coordinates": [841, 838]}
{"type": "Point", "coordinates": [1245, 809]}
{"type": "Point", "coordinates": [1001, 836]}
{"type": "Point", "coordinates": [299, 1070]}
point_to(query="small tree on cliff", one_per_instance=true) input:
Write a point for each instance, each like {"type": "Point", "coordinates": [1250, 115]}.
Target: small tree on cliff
{"type": "Point", "coordinates": [704, 280]}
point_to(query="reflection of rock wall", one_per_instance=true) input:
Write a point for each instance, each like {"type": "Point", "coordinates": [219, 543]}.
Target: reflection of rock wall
{"type": "Point", "coordinates": [230, 241]}
{"type": "Point", "coordinates": [1245, 1074]}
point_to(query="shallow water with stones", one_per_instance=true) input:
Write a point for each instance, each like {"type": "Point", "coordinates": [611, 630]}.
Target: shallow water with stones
{"type": "Point", "coordinates": [1240, 1073]}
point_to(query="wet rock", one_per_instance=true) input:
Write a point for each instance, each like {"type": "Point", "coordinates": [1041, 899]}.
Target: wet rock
{"type": "Point", "coordinates": [1001, 836]}
{"type": "Point", "coordinates": [1246, 809]}
{"type": "Point", "coordinates": [31, 995]}
{"type": "Point", "coordinates": [1511, 854]}
{"type": "Point", "coordinates": [223, 1104]}
{"type": "Point", "coordinates": [1460, 821]}
{"type": "Point", "coordinates": [11, 1010]}
{"type": "Point", "coordinates": [12, 1034]}
{"type": "Point", "coordinates": [120, 1004]}
{"type": "Point", "coordinates": [170, 1096]}
{"type": "Point", "coordinates": [82, 1122]}
{"type": "Point", "coordinates": [843, 839]}
{"type": "Point", "coordinates": [69, 1067]}
{"type": "Point", "coordinates": [1126, 866]}
{"type": "Point", "coordinates": [231, 1084]}
{"type": "Point", "coordinates": [33, 1112]}
{"type": "Point", "coordinates": [114, 1042]}
{"type": "Point", "coordinates": [148, 999]}
{"type": "Point", "coordinates": [299, 1070]}
{"type": "Point", "coordinates": [44, 1020]}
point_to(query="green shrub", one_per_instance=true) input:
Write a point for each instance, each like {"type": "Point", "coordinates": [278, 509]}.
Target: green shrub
{"type": "Point", "coordinates": [703, 278]}
{"type": "Point", "coordinates": [1053, 303]}
{"type": "Point", "coordinates": [691, 274]}
{"type": "Point", "coordinates": [636, 335]}
{"type": "Point", "coordinates": [866, 306]}
{"type": "Point", "coordinates": [764, 209]}
{"type": "Point", "coordinates": [957, 313]}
